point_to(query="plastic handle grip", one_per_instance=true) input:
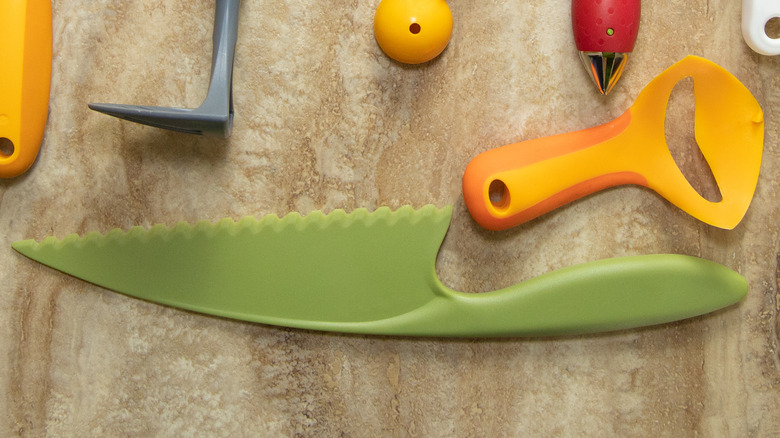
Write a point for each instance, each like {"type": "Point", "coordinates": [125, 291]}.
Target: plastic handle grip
{"type": "Point", "coordinates": [525, 180]}
{"type": "Point", "coordinates": [604, 295]}
{"type": "Point", "coordinates": [605, 25]}
{"type": "Point", "coordinates": [755, 15]}
{"type": "Point", "coordinates": [25, 79]}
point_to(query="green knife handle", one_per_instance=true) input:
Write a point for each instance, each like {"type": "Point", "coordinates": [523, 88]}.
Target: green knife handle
{"type": "Point", "coordinates": [605, 295]}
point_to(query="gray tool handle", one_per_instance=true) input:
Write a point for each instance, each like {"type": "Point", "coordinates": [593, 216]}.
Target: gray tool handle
{"type": "Point", "coordinates": [215, 115]}
{"type": "Point", "coordinates": [220, 99]}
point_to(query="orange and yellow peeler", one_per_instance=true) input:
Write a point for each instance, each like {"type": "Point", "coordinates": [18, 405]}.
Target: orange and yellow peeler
{"type": "Point", "coordinates": [509, 185]}
{"type": "Point", "coordinates": [25, 80]}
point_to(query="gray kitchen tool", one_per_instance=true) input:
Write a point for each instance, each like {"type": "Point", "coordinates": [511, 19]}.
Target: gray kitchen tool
{"type": "Point", "coordinates": [213, 117]}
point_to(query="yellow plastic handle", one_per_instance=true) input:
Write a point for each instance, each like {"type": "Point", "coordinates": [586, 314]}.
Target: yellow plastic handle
{"type": "Point", "coordinates": [512, 184]}
{"type": "Point", "coordinates": [25, 79]}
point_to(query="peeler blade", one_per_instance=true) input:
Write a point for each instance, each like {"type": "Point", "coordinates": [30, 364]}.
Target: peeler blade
{"type": "Point", "coordinates": [605, 68]}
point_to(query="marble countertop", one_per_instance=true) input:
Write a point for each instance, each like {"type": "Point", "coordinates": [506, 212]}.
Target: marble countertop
{"type": "Point", "coordinates": [324, 120]}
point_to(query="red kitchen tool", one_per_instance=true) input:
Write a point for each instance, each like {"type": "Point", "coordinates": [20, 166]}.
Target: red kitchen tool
{"type": "Point", "coordinates": [605, 32]}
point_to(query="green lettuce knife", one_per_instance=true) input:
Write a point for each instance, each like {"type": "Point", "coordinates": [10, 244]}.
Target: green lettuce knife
{"type": "Point", "coordinates": [373, 273]}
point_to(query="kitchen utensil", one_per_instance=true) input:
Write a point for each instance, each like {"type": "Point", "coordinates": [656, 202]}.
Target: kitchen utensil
{"type": "Point", "coordinates": [215, 115]}
{"type": "Point", "coordinates": [413, 31]}
{"type": "Point", "coordinates": [605, 33]}
{"type": "Point", "coordinates": [25, 79]}
{"type": "Point", "coordinates": [512, 184]}
{"type": "Point", "coordinates": [755, 15]}
{"type": "Point", "coordinates": [375, 273]}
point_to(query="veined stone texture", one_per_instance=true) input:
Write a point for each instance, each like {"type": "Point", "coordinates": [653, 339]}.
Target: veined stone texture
{"type": "Point", "coordinates": [324, 120]}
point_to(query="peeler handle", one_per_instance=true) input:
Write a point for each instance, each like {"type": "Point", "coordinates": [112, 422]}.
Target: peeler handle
{"type": "Point", "coordinates": [507, 186]}
{"type": "Point", "coordinates": [25, 79]}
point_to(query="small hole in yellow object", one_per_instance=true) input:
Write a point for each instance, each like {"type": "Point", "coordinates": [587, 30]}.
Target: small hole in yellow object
{"type": "Point", "coordinates": [415, 28]}
{"type": "Point", "coordinates": [499, 194]}
{"type": "Point", "coordinates": [6, 147]}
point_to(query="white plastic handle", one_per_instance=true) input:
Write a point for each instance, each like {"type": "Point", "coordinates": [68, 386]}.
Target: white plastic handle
{"type": "Point", "coordinates": [755, 15]}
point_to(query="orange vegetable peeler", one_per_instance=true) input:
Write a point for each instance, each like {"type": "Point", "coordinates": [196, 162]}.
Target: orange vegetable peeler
{"type": "Point", "coordinates": [507, 186]}
{"type": "Point", "coordinates": [25, 79]}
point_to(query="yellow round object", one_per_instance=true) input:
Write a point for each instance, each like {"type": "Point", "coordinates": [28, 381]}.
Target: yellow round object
{"type": "Point", "coordinates": [413, 31]}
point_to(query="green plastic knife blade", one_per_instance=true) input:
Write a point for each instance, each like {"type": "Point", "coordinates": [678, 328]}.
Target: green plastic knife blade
{"type": "Point", "coordinates": [374, 273]}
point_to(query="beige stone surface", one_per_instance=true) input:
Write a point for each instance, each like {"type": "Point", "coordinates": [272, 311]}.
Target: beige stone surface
{"type": "Point", "coordinates": [323, 121]}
